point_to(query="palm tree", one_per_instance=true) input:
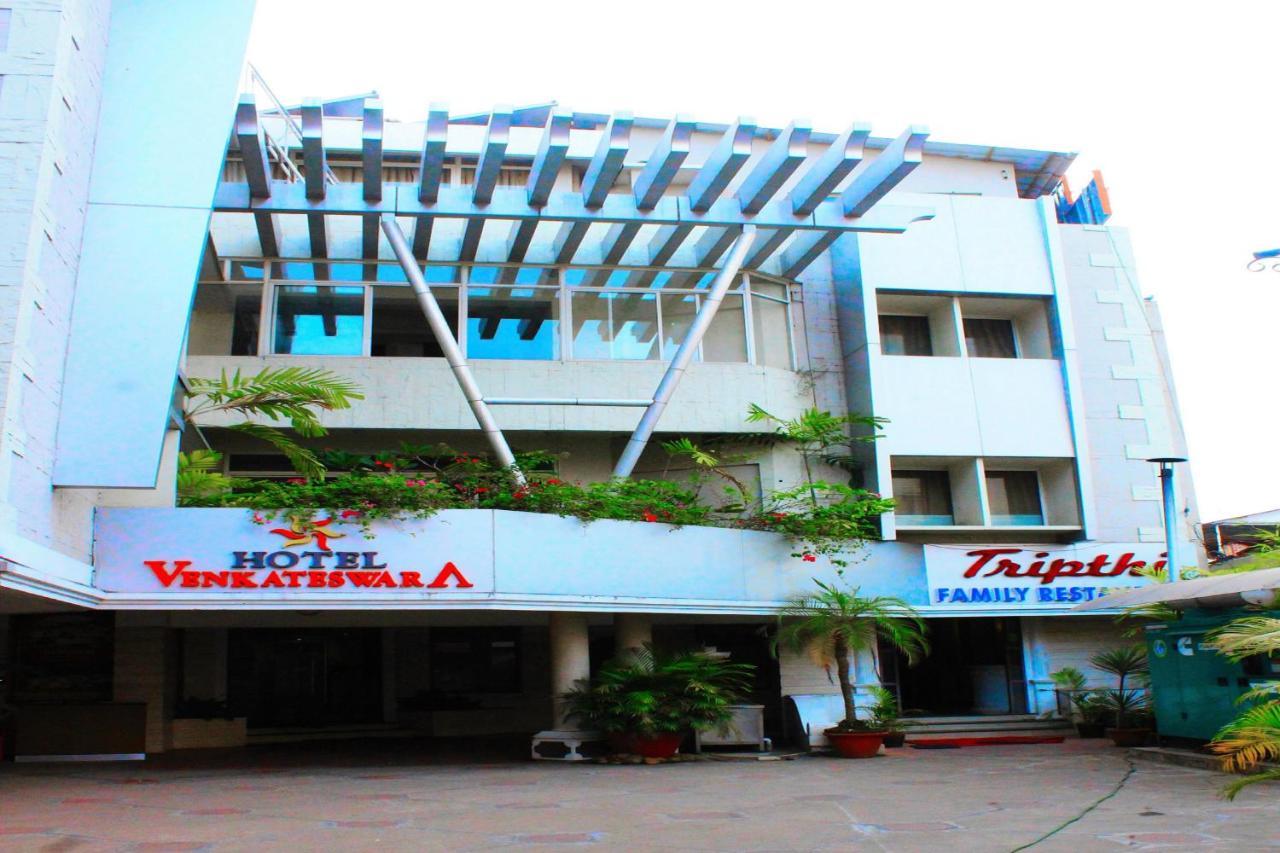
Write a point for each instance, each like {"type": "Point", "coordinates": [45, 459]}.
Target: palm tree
{"type": "Point", "coordinates": [283, 393]}
{"type": "Point", "coordinates": [1254, 736]}
{"type": "Point", "coordinates": [1125, 663]}
{"type": "Point", "coordinates": [832, 623]}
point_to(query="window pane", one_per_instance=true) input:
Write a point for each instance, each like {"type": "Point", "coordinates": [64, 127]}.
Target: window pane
{"type": "Point", "coordinates": [677, 315]}
{"type": "Point", "coordinates": [506, 322]}
{"type": "Point", "coordinates": [319, 320]}
{"type": "Point", "coordinates": [726, 340]}
{"type": "Point", "coordinates": [902, 335]}
{"type": "Point", "coordinates": [635, 326]}
{"type": "Point", "coordinates": [922, 497]}
{"type": "Point", "coordinates": [400, 328]}
{"type": "Point", "coordinates": [772, 335]}
{"type": "Point", "coordinates": [591, 324]}
{"type": "Point", "coordinates": [1014, 497]}
{"type": "Point", "coordinates": [247, 270]}
{"type": "Point", "coordinates": [989, 338]}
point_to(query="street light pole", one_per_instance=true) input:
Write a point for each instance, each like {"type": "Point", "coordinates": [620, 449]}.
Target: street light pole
{"type": "Point", "coordinates": [1169, 501]}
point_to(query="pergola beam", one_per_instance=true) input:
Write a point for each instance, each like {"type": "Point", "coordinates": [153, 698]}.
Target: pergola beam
{"type": "Point", "coordinates": [371, 169]}
{"type": "Point", "coordinates": [606, 164]}
{"type": "Point", "coordinates": [253, 149]}
{"type": "Point", "coordinates": [872, 180]}
{"type": "Point", "coordinates": [511, 204]}
{"type": "Point", "coordinates": [778, 164]}
{"type": "Point", "coordinates": [664, 163]}
{"type": "Point", "coordinates": [314, 162]}
{"type": "Point", "coordinates": [550, 157]}
{"type": "Point", "coordinates": [491, 155]}
{"type": "Point", "coordinates": [729, 155]}
{"type": "Point", "coordinates": [431, 165]}
{"type": "Point", "coordinates": [835, 164]}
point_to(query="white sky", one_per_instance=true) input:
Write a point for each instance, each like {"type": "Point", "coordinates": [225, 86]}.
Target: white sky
{"type": "Point", "coordinates": [1179, 111]}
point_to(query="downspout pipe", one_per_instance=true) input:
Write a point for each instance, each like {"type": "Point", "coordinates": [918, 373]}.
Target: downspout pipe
{"type": "Point", "coordinates": [675, 371]}
{"type": "Point", "coordinates": [449, 346]}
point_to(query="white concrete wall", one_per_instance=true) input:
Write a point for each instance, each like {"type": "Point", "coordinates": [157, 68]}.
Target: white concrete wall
{"type": "Point", "coordinates": [49, 103]}
{"type": "Point", "coordinates": [1053, 644]}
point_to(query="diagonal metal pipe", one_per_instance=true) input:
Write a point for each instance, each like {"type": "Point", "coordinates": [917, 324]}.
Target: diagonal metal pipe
{"type": "Point", "coordinates": [452, 354]}
{"type": "Point", "coordinates": [675, 371]}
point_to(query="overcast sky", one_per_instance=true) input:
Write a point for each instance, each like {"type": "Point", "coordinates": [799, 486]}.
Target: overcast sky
{"type": "Point", "coordinates": [1179, 111]}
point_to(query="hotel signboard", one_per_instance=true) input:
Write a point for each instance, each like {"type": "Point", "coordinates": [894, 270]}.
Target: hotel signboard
{"type": "Point", "coordinates": [1029, 577]}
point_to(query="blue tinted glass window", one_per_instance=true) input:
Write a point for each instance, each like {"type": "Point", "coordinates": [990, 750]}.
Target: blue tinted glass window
{"type": "Point", "coordinates": [319, 320]}
{"type": "Point", "coordinates": [518, 323]}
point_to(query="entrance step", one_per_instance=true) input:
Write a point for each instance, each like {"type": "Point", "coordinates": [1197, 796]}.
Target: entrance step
{"type": "Point", "coordinates": [926, 728]}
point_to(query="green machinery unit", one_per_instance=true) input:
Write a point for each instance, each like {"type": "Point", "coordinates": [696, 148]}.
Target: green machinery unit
{"type": "Point", "coordinates": [1195, 689]}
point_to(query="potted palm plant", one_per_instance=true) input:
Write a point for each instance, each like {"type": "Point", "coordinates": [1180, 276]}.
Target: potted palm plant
{"type": "Point", "coordinates": [1081, 705]}
{"type": "Point", "coordinates": [831, 625]}
{"type": "Point", "coordinates": [647, 700]}
{"type": "Point", "coordinates": [1128, 704]}
{"type": "Point", "coordinates": [884, 715]}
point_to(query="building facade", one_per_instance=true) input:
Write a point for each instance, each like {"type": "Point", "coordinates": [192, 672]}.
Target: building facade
{"type": "Point", "coordinates": [588, 272]}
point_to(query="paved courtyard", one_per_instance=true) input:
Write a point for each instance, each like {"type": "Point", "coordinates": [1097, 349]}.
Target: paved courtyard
{"type": "Point", "coordinates": [400, 797]}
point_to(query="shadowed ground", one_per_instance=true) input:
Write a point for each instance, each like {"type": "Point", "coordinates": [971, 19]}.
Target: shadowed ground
{"type": "Point", "coordinates": [418, 796]}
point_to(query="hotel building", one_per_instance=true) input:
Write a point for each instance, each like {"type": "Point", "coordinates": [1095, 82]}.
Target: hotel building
{"type": "Point", "coordinates": [166, 217]}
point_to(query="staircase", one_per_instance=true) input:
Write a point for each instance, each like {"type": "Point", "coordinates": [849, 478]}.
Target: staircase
{"type": "Point", "coordinates": [993, 725]}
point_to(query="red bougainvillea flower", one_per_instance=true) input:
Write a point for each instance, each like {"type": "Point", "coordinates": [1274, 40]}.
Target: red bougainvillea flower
{"type": "Point", "coordinates": [258, 519]}
{"type": "Point", "coordinates": [519, 494]}
{"type": "Point", "coordinates": [778, 515]}
{"type": "Point", "coordinates": [554, 482]}
{"type": "Point", "coordinates": [350, 513]}
{"type": "Point", "coordinates": [480, 489]}
{"type": "Point", "coordinates": [297, 481]}
{"type": "Point", "coordinates": [648, 516]}
{"type": "Point", "coordinates": [809, 558]}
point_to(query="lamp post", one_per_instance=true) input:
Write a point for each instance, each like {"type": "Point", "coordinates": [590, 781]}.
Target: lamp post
{"type": "Point", "coordinates": [1166, 464]}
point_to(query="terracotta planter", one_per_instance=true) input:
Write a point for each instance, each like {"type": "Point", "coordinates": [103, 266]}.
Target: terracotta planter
{"type": "Point", "coordinates": [855, 744]}
{"type": "Point", "coordinates": [893, 740]}
{"type": "Point", "coordinates": [648, 746]}
{"type": "Point", "coordinates": [1129, 737]}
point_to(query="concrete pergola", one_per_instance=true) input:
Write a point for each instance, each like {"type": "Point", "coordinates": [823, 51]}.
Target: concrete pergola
{"type": "Point", "coordinates": [754, 228]}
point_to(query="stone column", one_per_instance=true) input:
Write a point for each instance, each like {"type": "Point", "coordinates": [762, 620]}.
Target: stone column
{"type": "Point", "coordinates": [631, 631]}
{"type": "Point", "coordinates": [570, 659]}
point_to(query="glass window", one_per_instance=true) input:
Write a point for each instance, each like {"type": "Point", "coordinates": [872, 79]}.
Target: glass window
{"type": "Point", "coordinates": [319, 320]}
{"type": "Point", "coordinates": [1014, 498]}
{"type": "Point", "coordinates": [400, 328]}
{"type": "Point", "coordinates": [246, 270]}
{"type": "Point", "coordinates": [591, 329]}
{"type": "Point", "coordinates": [678, 311]}
{"type": "Point", "coordinates": [771, 332]}
{"type": "Point", "coordinates": [903, 335]}
{"type": "Point", "coordinates": [989, 338]}
{"type": "Point", "coordinates": [726, 339]}
{"type": "Point", "coordinates": [513, 322]}
{"type": "Point", "coordinates": [634, 326]}
{"type": "Point", "coordinates": [922, 497]}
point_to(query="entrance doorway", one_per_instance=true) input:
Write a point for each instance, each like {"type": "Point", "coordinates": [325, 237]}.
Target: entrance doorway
{"type": "Point", "coordinates": [307, 678]}
{"type": "Point", "coordinates": [974, 667]}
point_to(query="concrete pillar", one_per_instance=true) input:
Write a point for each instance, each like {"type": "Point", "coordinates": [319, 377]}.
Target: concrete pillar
{"type": "Point", "coordinates": [570, 659]}
{"type": "Point", "coordinates": [631, 631]}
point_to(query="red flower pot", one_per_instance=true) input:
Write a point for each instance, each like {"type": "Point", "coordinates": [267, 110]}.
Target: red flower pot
{"type": "Point", "coordinates": [855, 744]}
{"type": "Point", "coordinates": [647, 746]}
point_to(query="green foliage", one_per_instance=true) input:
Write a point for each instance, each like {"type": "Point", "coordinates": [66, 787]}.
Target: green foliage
{"type": "Point", "coordinates": [648, 692]}
{"type": "Point", "coordinates": [884, 711]}
{"type": "Point", "coordinates": [819, 436]}
{"type": "Point", "coordinates": [292, 394]}
{"type": "Point", "coordinates": [834, 525]}
{"type": "Point", "coordinates": [198, 478]}
{"type": "Point", "coordinates": [832, 624]}
{"type": "Point", "coordinates": [1249, 635]}
{"type": "Point", "coordinates": [1068, 678]}
{"type": "Point", "coordinates": [1129, 706]}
